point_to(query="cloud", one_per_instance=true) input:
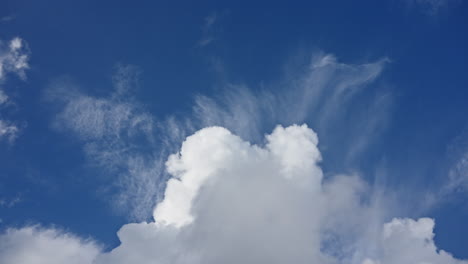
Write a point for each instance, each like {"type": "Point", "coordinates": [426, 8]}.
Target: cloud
{"type": "Point", "coordinates": [458, 176]}
{"type": "Point", "coordinates": [432, 7]}
{"type": "Point", "coordinates": [7, 19]}
{"type": "Point", "coordinates": [320, 91]}
{"type": "Point", "coordinates": [8, 131]}
{"type": "Point", "coordinates": [208, 30]}
{"type": "Point", "coordinates": [14, 58]}
{"type": "Point", "coordinates": [230, 201]}
{"type": "Point", "coordinates": [233, 202]}
{"type": "Point", "coordinates": [36, 245]}
{"type": "Point", "coordinates": [117, 134]}
{"type": "Point", "coordinates": [455, 181]}
{"type": "Point", "coordinates": [132, 145]}
{"type": "Point", "coordinates": [9, 203]}
{"type": "Point", "coordinates": [409, 241]}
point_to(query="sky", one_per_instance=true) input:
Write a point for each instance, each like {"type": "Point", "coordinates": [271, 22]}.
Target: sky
{"type": "Point", "coordinates": [326, 132]}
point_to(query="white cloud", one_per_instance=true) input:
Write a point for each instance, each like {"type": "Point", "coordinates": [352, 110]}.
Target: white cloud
{"type": "Point", "coordinates": [121, 136]}
{"type": "Point", "coordinates": [458, 176]}
{"type": "Point", "coordinates": [9, 203]}
{"type": "Point", "coordinates": [321, 91]}
{"type": "Point", "coordinates": [8, 131]}
{"type": "Point", "coordinates": [406, 241]}
{"type": "Point", "coordinates": [3, 97]}
{"type": "Point", "coordinates": [35, 245]}
{"type": "Point", "coordinates": [233, 202]}
{"type": "Point", "coordinates": [118, 136]}
{"type": "Point", "coordinates": [14, 58]}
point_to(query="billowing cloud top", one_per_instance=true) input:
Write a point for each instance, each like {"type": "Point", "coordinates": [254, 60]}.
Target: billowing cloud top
{"type": "Point", "coordinates": [233, 202]}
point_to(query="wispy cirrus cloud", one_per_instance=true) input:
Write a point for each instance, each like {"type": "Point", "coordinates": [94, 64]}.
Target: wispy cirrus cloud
{"type": "Point", "coordinates": [120, 136]}
{"type": "Point", "coordinates": [209, 29]}
{"type": "Point", "coordinates": [432, 7]}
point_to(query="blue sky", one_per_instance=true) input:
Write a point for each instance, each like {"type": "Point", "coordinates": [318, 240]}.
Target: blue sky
{"type": "Point", "coordinates": [96, 96]}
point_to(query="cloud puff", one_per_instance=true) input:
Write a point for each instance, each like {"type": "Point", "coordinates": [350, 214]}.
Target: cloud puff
{"type": "Point", "coordinates": [230, 201]}
{"type": "Point", "coordinates": [233, 202]}
{"type": "Point", "coordinates": [36, 245]}
{"type": "Point", "coordinates": [8, 131]}
{"type": "Point", "coordinates": [14, 58]}
{"type": "Point", "coordinates": [409, 241]}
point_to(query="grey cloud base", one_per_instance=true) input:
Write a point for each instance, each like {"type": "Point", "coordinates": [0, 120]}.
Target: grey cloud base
{"type": "Point", "coordinates": [233, 202]}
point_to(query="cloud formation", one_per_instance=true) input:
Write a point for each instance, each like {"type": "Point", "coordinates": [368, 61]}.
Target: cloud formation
{"type": "Point", "coordinates": [234, 195]}
{"type": "Point", "coordinates": [230, 201]}
{"type": "Point", "coordinates": [14, 57]}
{"type": "Point", "coordinates": [36, 245]}
{"type": "Point", "coordinates": [118, 137]}
{"type": "Point", "coordinates": [208, 30]}
{"type": "Point", "coordinates": [410, 241]}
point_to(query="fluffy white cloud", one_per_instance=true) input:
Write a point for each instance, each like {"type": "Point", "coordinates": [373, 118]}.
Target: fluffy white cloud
{"type": "Point", "coordinates": [406, 241]}
{"type": "Point", "coordinates": [35, 245]}
{"type": "Point", "coordinates": [233, 202]}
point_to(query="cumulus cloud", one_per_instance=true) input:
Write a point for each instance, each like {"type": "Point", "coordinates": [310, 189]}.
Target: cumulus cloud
{"type": "Point", "coordinates": [410, 241]}
{"type": "Point", "coordinates": [230, 201]}
{"type": "Point", "coordinates": [233, 202]}
{"type": "Point", "coordinates": [235, 195]}
{"type": "Point", "coordinates": [36, 245]}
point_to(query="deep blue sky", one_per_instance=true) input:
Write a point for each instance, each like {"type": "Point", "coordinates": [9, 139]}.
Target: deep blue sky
{"type": "Point", "coordinates": [84, 40]}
